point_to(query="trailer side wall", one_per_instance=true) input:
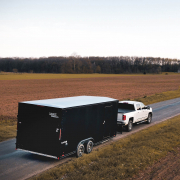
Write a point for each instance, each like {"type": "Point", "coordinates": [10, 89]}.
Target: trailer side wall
{"type": "Point", "coordinates": [97, 121]}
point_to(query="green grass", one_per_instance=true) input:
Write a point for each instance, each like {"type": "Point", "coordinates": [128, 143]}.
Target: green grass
{"type": "Point", "coordinates": [23, 76]}
{"type": "Point", "coordinates": [8, 126]}
{"type": "Point", "coordinates": [123, 158]}
{"type": "Point", "coordinates": [159, 97]}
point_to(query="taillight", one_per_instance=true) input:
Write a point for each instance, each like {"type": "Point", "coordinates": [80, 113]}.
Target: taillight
{"type": "Point", "coordinates": [124, 117]}
{"type": "Point", "coordinates": [60, 134]}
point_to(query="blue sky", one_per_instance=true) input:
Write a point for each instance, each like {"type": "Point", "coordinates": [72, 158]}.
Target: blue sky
{"type": "Point", "coordinates": [36, 28]}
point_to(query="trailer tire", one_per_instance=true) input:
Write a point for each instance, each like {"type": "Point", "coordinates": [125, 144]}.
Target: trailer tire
{"type": "Point", "coordinates": [89, 147]}
{"type": "Point", "coordinates": [149, 119]}
{"type": "Point", "coordinates": [80, 150]}
{"type": "Point", "coordinates": [129, 126]}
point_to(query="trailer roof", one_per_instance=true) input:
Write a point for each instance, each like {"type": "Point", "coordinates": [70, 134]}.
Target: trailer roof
{"type": "Point", "coordinates": [70, 101]}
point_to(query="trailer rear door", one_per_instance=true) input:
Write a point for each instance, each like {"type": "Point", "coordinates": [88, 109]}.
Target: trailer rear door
{"type": "Point", "coordinates": [39, 129]}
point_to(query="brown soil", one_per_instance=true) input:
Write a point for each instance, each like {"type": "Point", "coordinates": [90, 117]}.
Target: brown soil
{"type": "Point", "coordinates": [167, 168]}
{"type": "Point", "coordinates": [123, 87]}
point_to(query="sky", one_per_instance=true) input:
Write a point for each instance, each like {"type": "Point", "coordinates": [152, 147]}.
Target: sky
{"type": "Point", "coordinates": [38, 28]}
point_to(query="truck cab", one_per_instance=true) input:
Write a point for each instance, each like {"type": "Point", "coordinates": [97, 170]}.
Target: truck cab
{"type": "Point", "coordinates": [130, 112]}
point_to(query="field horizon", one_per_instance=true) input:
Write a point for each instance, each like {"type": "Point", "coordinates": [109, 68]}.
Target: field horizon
{"type": "Point", "coordinates": [27, 76]}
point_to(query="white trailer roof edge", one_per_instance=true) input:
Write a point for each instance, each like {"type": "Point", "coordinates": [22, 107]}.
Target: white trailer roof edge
{"type": "Point", "coordinates": [68, 102]}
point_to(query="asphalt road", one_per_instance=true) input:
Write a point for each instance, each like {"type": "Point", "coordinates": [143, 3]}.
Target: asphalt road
{"type": "Point", "coordinates": [22, 165]}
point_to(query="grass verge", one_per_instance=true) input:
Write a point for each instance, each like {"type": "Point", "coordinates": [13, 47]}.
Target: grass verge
{"type": "Point", "coordinates": [7, 128]}
{"type": "Point", "coordinates": [159, 97]}
{"type": "Point", "coordinates": [123, 158]}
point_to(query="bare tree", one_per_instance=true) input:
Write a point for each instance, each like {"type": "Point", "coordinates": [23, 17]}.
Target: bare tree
{"type": "Point", "coordinates": [74, 56]}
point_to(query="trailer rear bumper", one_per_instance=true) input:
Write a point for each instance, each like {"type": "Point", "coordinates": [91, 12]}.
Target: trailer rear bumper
{"type": "Point", "coordinates": [39, 153]}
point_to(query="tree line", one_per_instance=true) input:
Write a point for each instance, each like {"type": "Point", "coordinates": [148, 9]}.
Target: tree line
{"type": "Point", "coordinates": [77, 64]}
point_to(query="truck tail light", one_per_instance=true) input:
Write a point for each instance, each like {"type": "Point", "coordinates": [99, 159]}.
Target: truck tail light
{"type": "Point", "coordinates": [124, 117]}
{"type": "Point", "coordinates": [59, 134]}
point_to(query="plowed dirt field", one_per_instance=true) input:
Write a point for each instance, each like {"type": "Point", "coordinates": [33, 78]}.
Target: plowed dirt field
{"type": "Point", "coordinates": [122, 87]}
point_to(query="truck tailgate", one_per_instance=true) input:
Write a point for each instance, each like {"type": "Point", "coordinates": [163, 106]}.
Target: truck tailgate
{"type": "Point", "coordinates": [119, 117]}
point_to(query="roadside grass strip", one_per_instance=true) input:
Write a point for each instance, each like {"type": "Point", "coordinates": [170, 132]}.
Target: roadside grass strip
{"type": "Point", "coordinates": [124, 158]}
{"type": "Point", "coordinates": [158, 97]}
{"type": "Point", "coordinates": [8, 127]}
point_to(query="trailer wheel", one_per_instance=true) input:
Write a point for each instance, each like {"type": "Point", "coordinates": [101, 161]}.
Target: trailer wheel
{"type": "Point", "coordinates": [89, 147]}
{"type": "Point", "coordinates": [129, 126]}
{"type": "Point", "coordinates": [80, 150]}
{"type": "Point", "coordinates": [149, 119]}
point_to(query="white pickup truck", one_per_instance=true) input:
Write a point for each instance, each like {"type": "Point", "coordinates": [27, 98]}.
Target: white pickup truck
{"type": "Point", "coordinates": [130, 112]}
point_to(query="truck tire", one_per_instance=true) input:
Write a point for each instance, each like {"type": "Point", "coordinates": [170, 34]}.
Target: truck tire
{"type": "Point", "coordinates": [80, 150]}
{"type": "Point", "coordinates": [129, 126]}
{"type": "Point", "coordinates": [149, 119]}
{"type": "Point", "coordinates": [89, 147]}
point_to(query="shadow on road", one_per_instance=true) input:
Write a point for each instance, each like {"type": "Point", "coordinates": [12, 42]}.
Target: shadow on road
{"type": "Point", "coordinates": [135, 126]}
{"type": "Point", "coordinates": [39, 158]}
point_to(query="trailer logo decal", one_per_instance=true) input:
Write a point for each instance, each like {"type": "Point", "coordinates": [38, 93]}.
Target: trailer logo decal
{"type": "Point", "coordinates": [54, 115]}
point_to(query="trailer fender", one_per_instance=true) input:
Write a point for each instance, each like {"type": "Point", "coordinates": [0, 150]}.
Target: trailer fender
{"type": "Point", "coordinates": [85, 141]}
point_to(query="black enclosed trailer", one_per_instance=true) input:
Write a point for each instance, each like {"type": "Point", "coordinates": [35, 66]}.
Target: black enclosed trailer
{"type": "Point", "coordinates": [63, 126]}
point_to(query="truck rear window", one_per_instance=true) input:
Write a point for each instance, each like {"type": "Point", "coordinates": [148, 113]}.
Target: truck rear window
{"type": "Point", "coordinates": [126, 106]}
